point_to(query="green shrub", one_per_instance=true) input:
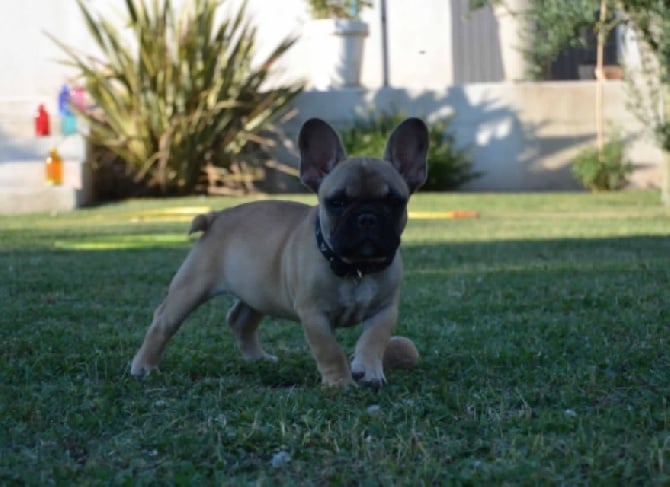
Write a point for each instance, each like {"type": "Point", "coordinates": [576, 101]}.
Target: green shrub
{"type": "Point", "coordinates": [448, 167]}
{"type": "Point", "coordinates": [604, 171]}
{"type": "Point", "coordinates": [336, 9]}
{"type": "Point", "coordinates": [183, 95]}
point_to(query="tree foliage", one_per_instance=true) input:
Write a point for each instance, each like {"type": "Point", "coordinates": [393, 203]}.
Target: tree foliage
{"type": "Point", "coordinates": [651, 20]}
{"type": "Point", "coordinates": [551, 26]}
{"type": "Point", "coordinates": [337, 9]}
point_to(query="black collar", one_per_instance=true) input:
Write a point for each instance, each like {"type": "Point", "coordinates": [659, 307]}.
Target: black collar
{"type": "Point", "coordinates": [343, 269]}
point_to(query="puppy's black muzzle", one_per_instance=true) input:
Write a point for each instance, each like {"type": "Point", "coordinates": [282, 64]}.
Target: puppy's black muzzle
{"type": "Point", "coordinates": [367, 221]}
{"type": "Point", "coordinates": [365, 234]}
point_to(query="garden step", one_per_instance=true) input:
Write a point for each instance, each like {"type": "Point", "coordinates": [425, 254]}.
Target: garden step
{"type": "Point", "coordinates": [23, 187]}
{"type": "Point", "coordinates": [30, 174]}
{"type": "Point", "coordinates": [26, 199]}
{"type": "Point", "coordinates": [30, 148]}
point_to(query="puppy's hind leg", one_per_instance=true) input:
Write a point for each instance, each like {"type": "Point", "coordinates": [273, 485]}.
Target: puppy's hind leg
{"type": "Point", "coordinates": [244, 321]}
{"type": "Point", "coordinates": [188, 289]}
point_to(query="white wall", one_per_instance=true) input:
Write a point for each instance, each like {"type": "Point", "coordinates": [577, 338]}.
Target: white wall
{"type": "Point", "coordinates": [419, 41]}
{"type": "Point", "coordinates": [30, 60]}
{"type": "Point", "coordinates": [32, 69]}
{"type": "Point", "coordinates": [420, 53]}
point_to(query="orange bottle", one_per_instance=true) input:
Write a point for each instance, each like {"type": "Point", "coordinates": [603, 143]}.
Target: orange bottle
{"type": "Point", "coordinates": [54, 168]}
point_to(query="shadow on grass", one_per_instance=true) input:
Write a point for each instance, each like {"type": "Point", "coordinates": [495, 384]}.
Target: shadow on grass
{"type": "Point", "coordinates": [461, 300]}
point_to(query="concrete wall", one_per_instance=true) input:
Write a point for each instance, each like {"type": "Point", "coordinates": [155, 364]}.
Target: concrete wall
{"type": "Point", "coordinates": [522, 136]}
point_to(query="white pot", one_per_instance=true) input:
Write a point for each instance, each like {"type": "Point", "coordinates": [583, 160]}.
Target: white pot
{"type": "Point", "coordinates": [336, 52]}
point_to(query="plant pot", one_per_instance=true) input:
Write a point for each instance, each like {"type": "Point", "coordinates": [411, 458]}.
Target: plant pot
{"type": "Point", "coordinates": [612, 71]}
{"type": "Point", "coordinates": [336, 52]}
{"type": "Point", "coordinates": [586, 71]}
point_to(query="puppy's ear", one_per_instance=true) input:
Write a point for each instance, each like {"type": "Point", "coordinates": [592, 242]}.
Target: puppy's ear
{"type": "Point", "coordinates": [406, 149]}
{"type": "Point", "coordinates": [320, 149]}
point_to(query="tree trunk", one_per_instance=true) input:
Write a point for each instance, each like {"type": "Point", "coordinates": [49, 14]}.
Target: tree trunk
{"type": "Point", "coordinates": [665, 169]}
{"type": "Point", "coordinates": [665, 184]}
{"type": "Point", "coordinates": [600, 77]}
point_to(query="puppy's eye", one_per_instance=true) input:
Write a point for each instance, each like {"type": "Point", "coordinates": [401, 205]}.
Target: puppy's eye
{"type": "Point", "coordinates": [395, 199]}
{"type": "Point", "coordinates": [337, 202]}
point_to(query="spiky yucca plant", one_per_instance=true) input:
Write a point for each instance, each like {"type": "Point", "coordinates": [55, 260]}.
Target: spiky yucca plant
{"type": "Point", "coordinates": [183, 94]}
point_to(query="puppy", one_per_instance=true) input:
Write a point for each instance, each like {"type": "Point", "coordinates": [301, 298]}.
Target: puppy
{"type": "Point", "coordinates": [328, 266]}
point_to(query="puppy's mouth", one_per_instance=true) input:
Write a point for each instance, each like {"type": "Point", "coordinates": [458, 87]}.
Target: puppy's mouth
{"type": "Point", "coordinates": [364, 236]}
{"type": "Point", "coordinates": [356, 252]}
{"type": "Point", "coordinates": [367, 251]}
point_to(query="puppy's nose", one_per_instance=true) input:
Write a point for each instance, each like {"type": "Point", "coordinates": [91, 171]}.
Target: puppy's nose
{"type": "Point", "coordinates": [367, 220]}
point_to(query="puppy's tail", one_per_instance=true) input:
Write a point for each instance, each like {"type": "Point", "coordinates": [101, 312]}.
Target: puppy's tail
{"type": "Point", "coordinates": [201, 223]}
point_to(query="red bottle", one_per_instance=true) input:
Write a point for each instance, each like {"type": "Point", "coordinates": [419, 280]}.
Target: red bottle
{"type": "Point", "coordinates": [41, 121]}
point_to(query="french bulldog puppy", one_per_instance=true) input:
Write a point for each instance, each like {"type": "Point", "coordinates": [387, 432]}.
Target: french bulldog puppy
{"type": "Point", "coordinates": [332, 265]}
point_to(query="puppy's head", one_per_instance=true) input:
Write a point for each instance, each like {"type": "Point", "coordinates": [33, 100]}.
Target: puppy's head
{"type": "Point", "coordinates": [363, 201]}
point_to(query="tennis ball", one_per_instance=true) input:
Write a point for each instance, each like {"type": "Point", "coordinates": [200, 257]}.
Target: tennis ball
{"type": "Point", "coordinates": [400, 353]}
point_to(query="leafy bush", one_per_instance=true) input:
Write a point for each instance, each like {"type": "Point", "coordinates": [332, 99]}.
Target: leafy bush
{"type": "Point", "coordinates": [448, 167]}
{"type": "Point", "coordinates": [183, 95]}
{"type": "Point", "coordinates": [608, 170]}
{"type": "Point", "coordinates": [338, 9]}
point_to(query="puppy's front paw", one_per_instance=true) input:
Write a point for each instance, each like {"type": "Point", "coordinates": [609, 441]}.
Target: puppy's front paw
{"type": "Point", "coordinates": [336, 377]}
{"type": "Point", "coordinates": [259, 355]}
{"type": "Point", "coordinates": [338, 381]}
{"type": "Point", "coordinates": [369, 374]}
{"type": "Point", "coordinates": [140, 368]}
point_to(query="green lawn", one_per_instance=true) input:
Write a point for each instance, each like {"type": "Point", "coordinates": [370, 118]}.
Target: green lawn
{"type": "Point", "coordinates": [544, 329]}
